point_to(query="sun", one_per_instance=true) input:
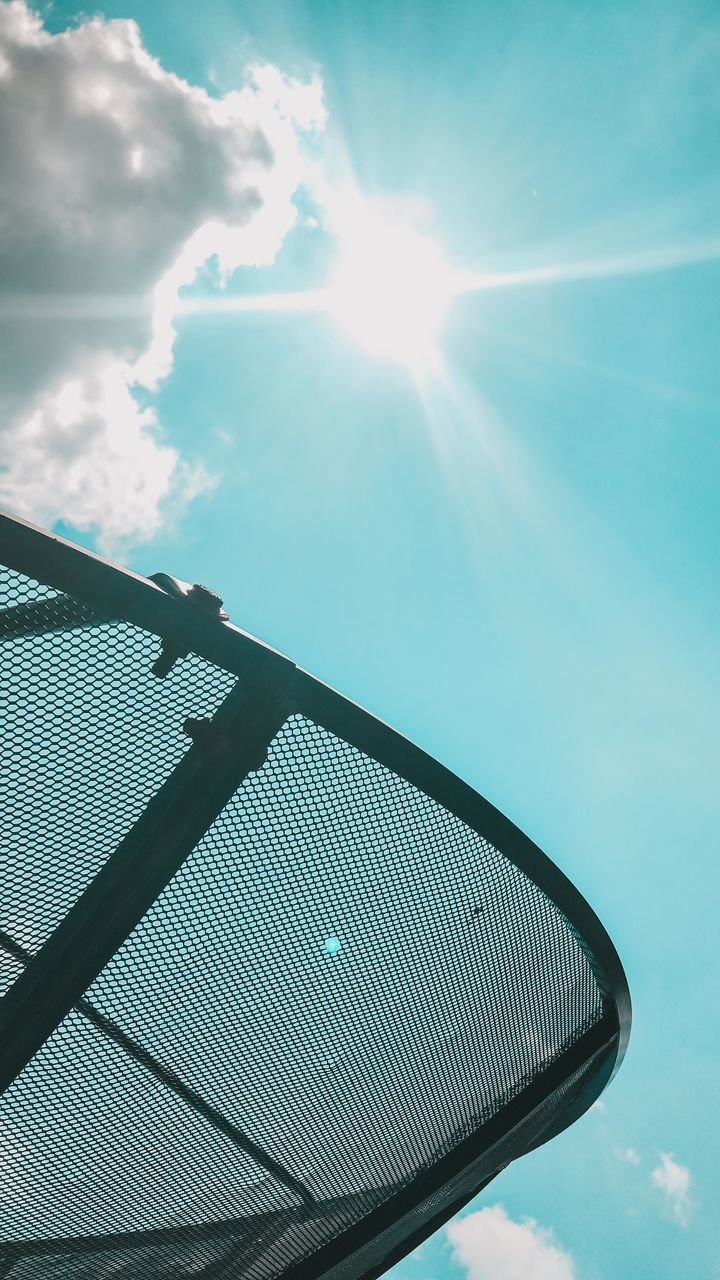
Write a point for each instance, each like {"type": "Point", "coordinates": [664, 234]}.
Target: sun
{"type": "Point", "coordinates": [391, 288]}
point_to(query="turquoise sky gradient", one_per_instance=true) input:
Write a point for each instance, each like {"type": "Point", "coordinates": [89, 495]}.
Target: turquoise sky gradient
{"type": "Point", "coordinates": [521, 572]}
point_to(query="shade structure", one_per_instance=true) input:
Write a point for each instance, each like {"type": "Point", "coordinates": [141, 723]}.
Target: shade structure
{"type": "Point", "coordinates": [278, 992]}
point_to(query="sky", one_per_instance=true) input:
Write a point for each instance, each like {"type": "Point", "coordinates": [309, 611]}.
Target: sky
{"type": "Point", "coordinates": [455, 450]}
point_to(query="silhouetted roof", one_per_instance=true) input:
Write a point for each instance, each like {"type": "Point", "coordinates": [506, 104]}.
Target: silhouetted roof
{"type": "Point", "coordinates": [279, 993]}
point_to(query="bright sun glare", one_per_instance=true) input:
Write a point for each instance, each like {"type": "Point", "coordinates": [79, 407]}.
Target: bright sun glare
{"type": "Point", "coordinates": [393, 284]}
{"type": "Point", "coordinates": [391, 288]}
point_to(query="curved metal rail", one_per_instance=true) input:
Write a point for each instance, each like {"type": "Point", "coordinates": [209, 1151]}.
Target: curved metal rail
{"type": "Point", "coordinates": [552, 1015]}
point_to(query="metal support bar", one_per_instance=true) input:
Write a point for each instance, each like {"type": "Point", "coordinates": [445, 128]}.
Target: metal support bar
{"type": "Point", "coordinates": [117, 593]}
{"type": "Point", "coordinates": [144, 862]}
{"type": "Point", "coordinates": [174, 1083]}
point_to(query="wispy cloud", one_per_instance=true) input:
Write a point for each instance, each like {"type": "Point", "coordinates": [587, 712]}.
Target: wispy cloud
{"type": "Point", "coordinates": [120, 180]}
{"type": "Point", "coordinates": [674, 1181]}
{"type": "Point", "coordinates": [630, 1155]}
{"type": "Point", "coordinates": [491, 1246]}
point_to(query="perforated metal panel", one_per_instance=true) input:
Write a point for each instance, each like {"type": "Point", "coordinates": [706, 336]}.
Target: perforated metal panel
{"type": "Point", "coordinates": [233, 1095]}
{"type": "Point", "coordinates": [87, 734]}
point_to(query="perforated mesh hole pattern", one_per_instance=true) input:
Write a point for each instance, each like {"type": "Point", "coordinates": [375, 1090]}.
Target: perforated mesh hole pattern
{"type": "Point", "coordinates": [342, 970]}
{"type": "Point", "coordinates": [456, 981]}
{"type": "Point", "coordinates": [87, 736]}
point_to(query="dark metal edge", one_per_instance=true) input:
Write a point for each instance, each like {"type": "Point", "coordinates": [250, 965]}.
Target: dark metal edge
{"type": "Point", "coordinates": [114, 592]}
{"type": "Point", "coordinates": [336, 713]}
{"type": "Point", "coordinates": [469, 1184]}
{"type": "Point", "coordinates": [461, 1174]}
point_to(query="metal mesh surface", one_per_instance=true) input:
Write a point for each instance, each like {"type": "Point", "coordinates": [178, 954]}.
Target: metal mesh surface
{"type": "Point", "coordinates": [444, 945]}
{"type": "Point", "coordinates": [457, 981]}
{"type": "Point", "coordinates": [87, 735]}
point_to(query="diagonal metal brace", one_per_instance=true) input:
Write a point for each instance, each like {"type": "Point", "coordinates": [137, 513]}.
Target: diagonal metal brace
{"type": "Point", "coordinates": [165, 834]}
{"type": "Point", "coordinates": [142, 1056]}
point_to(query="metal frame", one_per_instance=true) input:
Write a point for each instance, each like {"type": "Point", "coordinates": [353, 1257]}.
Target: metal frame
{"type": "Point", "coordinates": [269, 689]}
{"type": "Point", "coordinates": [172, 1081]}
{"type": "Point", "coordinates": [113, 592]}
{"type": "Point", "coordinates": [144, 862]}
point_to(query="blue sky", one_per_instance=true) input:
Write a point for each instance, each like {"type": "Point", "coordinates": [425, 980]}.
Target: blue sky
{"type": "Point", "coordinates": [515, 566]}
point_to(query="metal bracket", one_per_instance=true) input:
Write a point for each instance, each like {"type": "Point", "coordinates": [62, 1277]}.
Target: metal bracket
{"type": "Point", "coordinates": [196, 594]}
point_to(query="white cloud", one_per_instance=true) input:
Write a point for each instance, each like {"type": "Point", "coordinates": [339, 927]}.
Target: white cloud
{"type": "Point", "coordinates": [119, 180]}
{"type": "Point", "coordinates": [491, 1246]}
{"type": "Point", "coordinates": [674, 1181]}
{"type": "Point", "coordinates": [630, 1155]}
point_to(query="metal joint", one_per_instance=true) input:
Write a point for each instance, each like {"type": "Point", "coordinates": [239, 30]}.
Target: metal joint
{"type": "Point", "coordinates": [196, 594]}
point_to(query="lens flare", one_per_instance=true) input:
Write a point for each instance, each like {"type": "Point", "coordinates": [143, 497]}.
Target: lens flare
{"type": "Point", "coordinates": [391, 288]}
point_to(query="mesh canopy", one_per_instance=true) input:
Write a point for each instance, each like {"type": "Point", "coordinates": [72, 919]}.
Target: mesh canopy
{"type": "Point", "coordinates": [341, 985]}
